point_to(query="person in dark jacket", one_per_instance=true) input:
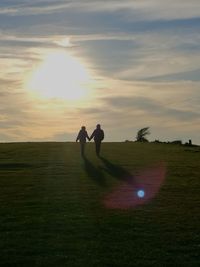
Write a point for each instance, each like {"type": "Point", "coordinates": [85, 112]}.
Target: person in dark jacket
{"type": "Point", "coordinates": [82, 137]}
{"type": "Point", "coordinates": [98, 135]}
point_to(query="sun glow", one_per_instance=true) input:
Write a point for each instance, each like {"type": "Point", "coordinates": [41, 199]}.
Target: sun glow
{"type": "Point", "coordinates": [61, 76]}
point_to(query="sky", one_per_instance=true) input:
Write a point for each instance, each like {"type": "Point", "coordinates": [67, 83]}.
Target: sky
{"type": "Point", "coordinates": [124, 64]}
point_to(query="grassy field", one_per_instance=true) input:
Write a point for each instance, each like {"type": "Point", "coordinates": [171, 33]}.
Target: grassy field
{"type": "Point", "coordinates": [52, 210]}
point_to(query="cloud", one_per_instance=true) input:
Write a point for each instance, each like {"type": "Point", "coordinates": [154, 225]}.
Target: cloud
{"type": "Point", "coordinates": [131, 9]}
{"type": "Point", "coordinates": [38, 7]}
{"type": "Point", "coordinates": [193, 75]}
{"type": "Point", "coordinates": [150, 106]}
{"type": "Point", "coordinates": [64, 136]}
{"type": "Point", "coordinates": [131, 55]}
{"type": "Point", "coordinates": [143, 55]}
{"type": "Point", "coordinates": [28, 119]}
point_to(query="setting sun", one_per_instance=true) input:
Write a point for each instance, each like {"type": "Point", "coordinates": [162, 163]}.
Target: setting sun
{"type": "Point", "coordinates": [60, 75]}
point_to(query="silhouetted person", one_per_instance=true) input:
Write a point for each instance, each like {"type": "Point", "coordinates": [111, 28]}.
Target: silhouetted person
{"type": "Point", "coordinates": [82, 136]}
{"type": "Point", "coordinates": [98, 136]}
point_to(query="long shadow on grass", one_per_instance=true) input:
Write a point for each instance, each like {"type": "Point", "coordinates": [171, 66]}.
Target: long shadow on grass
{"type": "Point", "coordinates": [95, 173]}
{"type": "Point", "coordinates": [117, 171]}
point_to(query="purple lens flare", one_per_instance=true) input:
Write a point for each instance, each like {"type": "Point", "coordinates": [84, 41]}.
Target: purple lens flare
{"type": "Point", "coordinates": [139, 189]}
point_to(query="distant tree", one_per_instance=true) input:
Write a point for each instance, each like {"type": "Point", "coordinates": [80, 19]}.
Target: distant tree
{"type": "Point", "coordinates": [141, 134]}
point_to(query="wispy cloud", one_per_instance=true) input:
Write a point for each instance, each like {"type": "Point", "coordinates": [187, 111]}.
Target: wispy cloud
{"type": "Point", "coordinates": [142, 10]}
{"type": "Point", "coordinates": [143, 56]}
{"type": "Point", "coordinates": [151, 106]}
{"type": "Point", "coordinates": [33, 8]}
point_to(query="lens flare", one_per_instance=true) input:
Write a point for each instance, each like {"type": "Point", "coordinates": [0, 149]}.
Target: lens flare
{"type": "Point", "coordinates": [140, 193]}
{"type": "Point", "coordinates": [137, 190]}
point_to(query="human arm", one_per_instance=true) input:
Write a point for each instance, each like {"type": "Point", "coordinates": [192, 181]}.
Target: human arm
{"type": "Point", "coordinates": [102, 135]}
{"type": "Point", "coordinates": [78, 137]}
{"type": "Point", "coordinates": [92, 135]}
{"type": "Point", "coordinates": [87, 137]}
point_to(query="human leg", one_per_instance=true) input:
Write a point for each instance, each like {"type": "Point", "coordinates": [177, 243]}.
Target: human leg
{"type": "Point", "coordinates": [82, 148]}
{"type": "Point", "coordinates": [98, 147]}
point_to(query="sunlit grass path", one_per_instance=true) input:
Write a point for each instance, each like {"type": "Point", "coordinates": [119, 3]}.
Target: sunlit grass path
{"type": "Point", "coordinates": [52, 211]}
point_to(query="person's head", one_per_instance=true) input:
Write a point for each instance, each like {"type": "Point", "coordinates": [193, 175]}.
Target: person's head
{"type": "Point", "coordinates": [98, 126]}
{"type": "Point", "coordinates": [83, 128]}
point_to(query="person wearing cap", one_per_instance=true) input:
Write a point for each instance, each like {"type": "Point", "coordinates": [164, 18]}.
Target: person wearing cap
{"type": "Point", "coordinates": [82, 137]}
{"type": "Point", "coordinates": [98, 135]}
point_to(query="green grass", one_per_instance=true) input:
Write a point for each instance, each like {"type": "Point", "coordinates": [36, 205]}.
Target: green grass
{"type": "Point", "coordinates": [52, 213]}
